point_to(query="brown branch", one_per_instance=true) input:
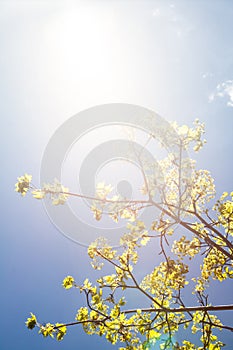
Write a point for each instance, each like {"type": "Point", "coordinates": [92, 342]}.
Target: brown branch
{"type": "Point", "coordinates": [144, 292]}
{"type": "Point", "coordinates": [158, 206]}
{"type": "Point", "coordinates": [219, 326]}
{"type": "Point", "coordinates": [186, 309]}
{"type": "Point", "coordinates": [213, 229]}
{"type": "Point", "coordinates": [185, 225]}
{"type": "Point", "coordinates": [105, 200]}
{"type": "Point", "coordinates": [171, 310]}
{"type": "Point", "coordinates": [80, 322]}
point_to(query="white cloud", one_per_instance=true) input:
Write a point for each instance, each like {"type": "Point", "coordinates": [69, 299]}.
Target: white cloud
{"type": "Point", "coordinates": [224, 89]}
{"type": "Point", "coordinates": [169, 16]}
{"type": "Point", "coordinates": [207, 75]}
{"type": "Point", "coordinates": [156, 13]}
{"type": "Point", "coordinates": [211, 97]}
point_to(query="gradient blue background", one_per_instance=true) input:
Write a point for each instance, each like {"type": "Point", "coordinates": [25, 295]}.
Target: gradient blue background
{"type": "Point", "coordinates": [58, 58]}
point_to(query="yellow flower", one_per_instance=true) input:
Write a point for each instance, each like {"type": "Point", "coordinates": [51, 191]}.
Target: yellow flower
{"type": "Point", "coordinates": [57, 192]}
{"type": "Point", "coordinates": [38, 194]}
{"type": "Point", "coordinates": [103, 190]}
{"type": "Point", "coordinates": [97, 213]}
{"type": "Point", "coordinates": [61, 331]}
{"type": "Point", "coordinates": [46, 330]}
{"type": "Point", "coordinates": [224, 195]}
{"type": "Point", "coordinates": [68, 282]}
{"type": "Point", "coordinates": [31, 321]}
{"type": "Point", "coordinates": [23, 184]}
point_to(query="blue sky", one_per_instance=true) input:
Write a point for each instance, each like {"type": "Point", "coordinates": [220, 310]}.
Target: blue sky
{"type": "Point", "coordinates": [61, 57]}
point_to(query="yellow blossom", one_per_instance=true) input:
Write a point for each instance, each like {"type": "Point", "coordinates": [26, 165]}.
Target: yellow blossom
{"type": "Point", "coordinates": [68, 282]}
{"type": "Point", "coordinates": [23, 184]}
{"type": "Point", "coordinates": [31, 321]}
{"type": "Point", "coordinates": [59, 193]}
{"type": "Point", "coordinates": [38, 194]}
